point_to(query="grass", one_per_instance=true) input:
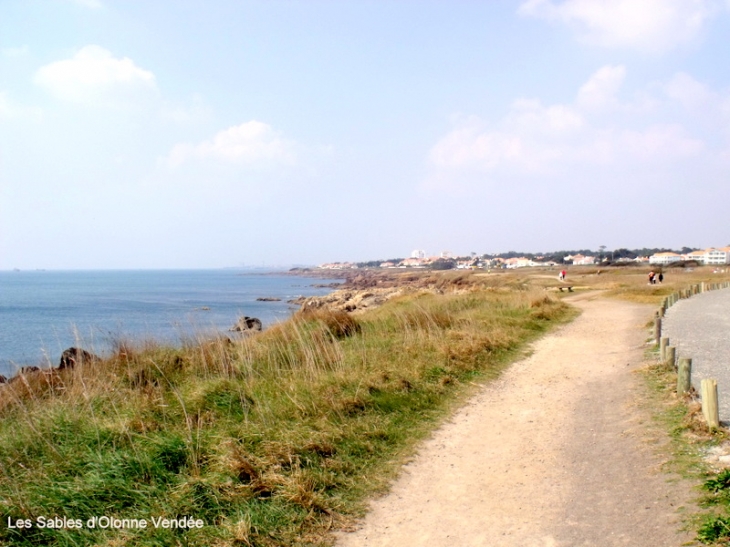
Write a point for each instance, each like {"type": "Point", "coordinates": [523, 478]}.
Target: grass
{"type": "Point", "coordinates": [681, 417]}
{"type": "Point", "coordinates": [274, 439]}
{"type": "Point", "coordinates": [690, 440]}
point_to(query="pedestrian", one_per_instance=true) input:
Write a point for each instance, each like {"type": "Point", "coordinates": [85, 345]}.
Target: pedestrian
{"type": "Point", "coordinates": [661, 277]}
{"type": "Point", "coordinates": [651, 278]}
{"type": "Point", "coordinates": [562, 275]}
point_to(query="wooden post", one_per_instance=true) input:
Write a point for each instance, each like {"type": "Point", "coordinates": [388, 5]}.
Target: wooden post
{"type": "Point", "coordinates": [670, 356]}
{"type": "Point", "coordinates": [657, 329]}
{"type": "Point", "coordinates": [684, 375]}
{"type": "Point", "coordinates": [709, 403]}
{"type": "Point", "coordinates": [663, 343]}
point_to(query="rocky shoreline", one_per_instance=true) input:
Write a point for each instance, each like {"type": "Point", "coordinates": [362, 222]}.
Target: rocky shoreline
{"type": "Point", "coordinates": [367, 289]}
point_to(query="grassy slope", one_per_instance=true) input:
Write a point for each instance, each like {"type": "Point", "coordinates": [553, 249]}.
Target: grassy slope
{"type": "Point", "coordinates": [272, 440]}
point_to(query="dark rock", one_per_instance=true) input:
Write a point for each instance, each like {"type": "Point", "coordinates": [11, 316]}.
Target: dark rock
{"type": "Point", "coordinates": [76, 356]}
{"type": "Point", "coordinates": [245, 324]}
{"type": "Point", "coordinates": [26, 370]}
{"type": "Point", "coordinates": [268, 299]}
{"type": "Point", "coordinates": [3, 379]}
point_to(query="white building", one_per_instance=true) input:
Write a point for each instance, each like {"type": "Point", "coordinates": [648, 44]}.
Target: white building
{"type": "Point", "coordinates": [418, 254]}
{"type": "Point", "coordinates": [718, 256]}
{"type": "Point", "coordinates": [580, 260]}
{"type": "Point", "coordinates": [697, 256]}
{"type": "Point", "coordinates": [664, 258]}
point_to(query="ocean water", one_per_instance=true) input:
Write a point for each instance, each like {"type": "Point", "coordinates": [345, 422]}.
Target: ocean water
{"type": "Point", "coordinates": [42, 312]}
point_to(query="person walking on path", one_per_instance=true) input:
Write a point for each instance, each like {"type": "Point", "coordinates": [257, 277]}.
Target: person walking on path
{"type": "Point", "coordinates": [562, 275]}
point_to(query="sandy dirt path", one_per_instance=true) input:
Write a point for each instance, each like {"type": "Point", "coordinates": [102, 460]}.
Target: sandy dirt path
{"type": "Point", "coordinates": [556, 453]}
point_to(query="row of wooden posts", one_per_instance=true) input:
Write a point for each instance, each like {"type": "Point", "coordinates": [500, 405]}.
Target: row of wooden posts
{"type": "Point", "coordinates": [683, 365]}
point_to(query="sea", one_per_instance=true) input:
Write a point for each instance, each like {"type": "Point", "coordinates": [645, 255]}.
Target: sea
{"type": "Point", "coordinates": [44, 312]}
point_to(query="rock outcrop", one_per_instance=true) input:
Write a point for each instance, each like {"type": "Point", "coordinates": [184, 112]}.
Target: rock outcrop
{"type": "Point", "coordinates": [351, 300]}
{"type": "Point", "coordinates": [247, 324]}
{"type": "Point", "coordinates": [76, 356]}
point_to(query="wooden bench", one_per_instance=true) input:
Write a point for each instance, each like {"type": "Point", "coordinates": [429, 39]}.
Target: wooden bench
{"type": "Point", "coordinates": [569, 287]}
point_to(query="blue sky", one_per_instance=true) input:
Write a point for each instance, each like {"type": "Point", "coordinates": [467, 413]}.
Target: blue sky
{"type": "Point", "coordinates": [194, 134]}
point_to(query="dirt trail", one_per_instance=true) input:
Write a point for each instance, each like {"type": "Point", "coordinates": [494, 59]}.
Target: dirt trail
{"type": "Point", "coordinates": [554, 454]}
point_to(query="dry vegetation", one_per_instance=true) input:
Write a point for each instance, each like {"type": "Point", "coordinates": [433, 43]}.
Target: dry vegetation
{"type": "Point", "coordinates": [276, 438]}
{"type": "Point", "coordinates": [271, 439]}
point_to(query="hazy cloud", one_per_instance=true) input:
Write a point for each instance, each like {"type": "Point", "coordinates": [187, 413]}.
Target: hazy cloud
{"type": "Point", "coordinates": [647, 25]}
{"type": "Point", "coordinates": [601, 89]}
{"type": "Point", "coordinates": [14, 51]}
{"type": "Point", "coordinates": [534, 139]}
{"type": "Point", "coordinates": [250, 143]}
{"type": "Point", "coordinates": [194, 110]}
{"type": "Point", "coordinates": [94, 75]}
{"type": "Point", "coordinates": [93, 4]}
{"type": "Point", "coordinates": [688, 91]}
{"type": "Point", "coordinates": [467, 147]}
{"type": "Point", "coordinates": [10, 109]}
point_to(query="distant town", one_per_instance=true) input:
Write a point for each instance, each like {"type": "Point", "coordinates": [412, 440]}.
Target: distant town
{"type": "Point", "coordinates": [445, 260]}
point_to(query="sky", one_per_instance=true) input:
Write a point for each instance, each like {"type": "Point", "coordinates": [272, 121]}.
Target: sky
{"type": "Point", "coordinates": [206, 134]}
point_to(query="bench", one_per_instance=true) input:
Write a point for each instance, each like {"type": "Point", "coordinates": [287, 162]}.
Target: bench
{"type": "Point", "coordinates": [569, 287]}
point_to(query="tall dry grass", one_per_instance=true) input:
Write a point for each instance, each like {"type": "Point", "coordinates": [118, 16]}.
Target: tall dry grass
{"type": "Point", "coordinates": [270, 439]}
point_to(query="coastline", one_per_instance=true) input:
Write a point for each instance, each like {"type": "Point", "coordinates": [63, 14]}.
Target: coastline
{"type": "Point", "coordinates": [45, 313]}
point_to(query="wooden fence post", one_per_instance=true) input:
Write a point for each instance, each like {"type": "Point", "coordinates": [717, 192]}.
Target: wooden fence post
{"type": "Point", "coordinates": [663, 343]}
{"type": "Point", "coordinates": [657, 329]}
{"type": "Point", "coordinates": [709, 403]}
{"type": "Point", "coordinates": [670, 356]}
{"type": "Point", "coordinates": [684, 375]}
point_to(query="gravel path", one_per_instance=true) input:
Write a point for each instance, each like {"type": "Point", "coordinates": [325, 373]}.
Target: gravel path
{"type": "Point", "coordinates": [699, 327]}
{"type": "Point", "coordinates": [555, 454]}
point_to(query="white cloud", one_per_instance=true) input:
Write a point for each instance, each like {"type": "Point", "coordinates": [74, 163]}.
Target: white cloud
{"type": "Point", "coordinates": [688, 91]}
{"type": "Point", "coordinates": [602, 87]}
{"type": "Point", "coordinates": [466, 147]}
{"type": "Point", "coordinates": [554, 120]}
{"type": "Point", "coordinates": [94, 75]}
{"type": "Point", "coordinates": [251, 143]}
{"type": "Point", "coordinates": [647, 25]}
{"type": "Point", "coordinates": [597, 131]}
{"type": "Point", "coordinates": [662, 141]}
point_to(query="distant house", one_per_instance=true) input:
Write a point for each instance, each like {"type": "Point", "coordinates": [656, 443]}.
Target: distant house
{"type": "Point", "coordinates": [412, 263]}
{"type": "Point", "coordinates": [718, 256]}
{"type": "Point", "coordinates": [580, 260]}
{"type": "Point", "coordinates": [520, 262]}
{"type": "Point", "coordinates": [697, 256]}
{"type": "Point", "coordinates": [664, 258]}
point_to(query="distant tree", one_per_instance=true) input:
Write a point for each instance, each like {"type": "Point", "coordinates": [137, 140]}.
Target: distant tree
{"type": "Point", "coordinates": [623, 253]}
{"type": "Point", "coordinates": [443, 264]}
{"type": "Point", "coordinates": [377, 263]}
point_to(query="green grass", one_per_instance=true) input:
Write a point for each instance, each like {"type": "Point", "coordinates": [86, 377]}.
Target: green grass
{"type": "Point", "coordinates": [271, 440]}
{"type": "Point", "coordinates": [690, 439]}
